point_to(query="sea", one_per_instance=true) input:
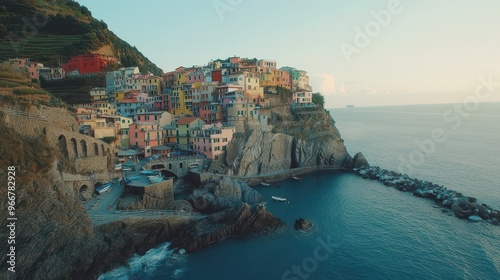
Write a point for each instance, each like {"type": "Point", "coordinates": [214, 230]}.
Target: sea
{"type": "Point", "coordinates": [363, 229]}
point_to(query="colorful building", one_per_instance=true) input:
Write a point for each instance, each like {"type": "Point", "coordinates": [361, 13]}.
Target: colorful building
{"type": "Point", "coordinates": [302, 97]}
{"type": "Point", "coordinates": [48, 73]}
{"type": "Point", "coordinates": [33, 68]}
{"type": "Point", "coordinates": [180, 134]}
{"type": "Point", "coordinates": [88, 63]}
{"type": "Point", "coordinates": [104, 107]}
{"type": "Point", "coordinates": [212, 140]}
{"type": "Point", "coordinates": [98, 94]}
{"type": "Point", "coordinates": [145, 136]}
{"type": "Point", "coordinates": [162, 118]}
{"type": "Point", "coordinates": [237, 107]}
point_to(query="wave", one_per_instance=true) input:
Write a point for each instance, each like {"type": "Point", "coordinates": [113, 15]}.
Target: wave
{"type": "Point", "coordinates": [147, 266]}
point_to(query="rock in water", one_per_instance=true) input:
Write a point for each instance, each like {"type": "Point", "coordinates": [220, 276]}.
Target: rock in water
{"type": "Point", "coordinates": [303, 224]}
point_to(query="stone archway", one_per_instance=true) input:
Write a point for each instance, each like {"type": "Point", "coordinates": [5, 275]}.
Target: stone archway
{"type": "Point", "coordinates": [96, 149]}
{"type": "Point", "coordinates": [63, 146]}
{"type": "Point", "coordinates": [158, 166]}
{"type": "Point", "coordinates": [83, 146]}
{"type": "Point", "coordinates": [75, 147]}
{"type": "Point", "coordinates": [168, 174]}
{"type": "Point", "coordinates": [180, 165]}
{"type": "Point", "coordinates": [85, 193]}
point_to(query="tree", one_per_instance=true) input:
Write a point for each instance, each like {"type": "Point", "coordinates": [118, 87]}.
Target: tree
{"type": "Point", "coordinates": [318, 99]}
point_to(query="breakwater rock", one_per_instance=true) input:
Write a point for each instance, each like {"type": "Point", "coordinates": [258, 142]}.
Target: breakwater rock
{"type": "Point", "coordinates": [464, 207]}
{"type": "Point", "coordinates": [240, 221]}
{"type": "Point", "coordinates": [302, 224]}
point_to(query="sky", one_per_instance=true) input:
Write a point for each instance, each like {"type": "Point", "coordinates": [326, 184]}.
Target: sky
{"type": "Point", "coordinates": [365, 53]}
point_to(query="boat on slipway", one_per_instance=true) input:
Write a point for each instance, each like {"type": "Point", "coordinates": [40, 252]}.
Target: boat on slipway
{"type": "Point", "coordinates": [148, 172]}
{"type": "Point", "coordinates": [106, 187]}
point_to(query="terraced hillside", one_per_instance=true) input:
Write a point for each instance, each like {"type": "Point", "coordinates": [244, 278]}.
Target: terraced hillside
{"type": "Point", "coordinates": [51, 31]}
{"type": "Point", "coordinates": [49, 49]}
{"type": "Point", "coordinates": [15, 88]}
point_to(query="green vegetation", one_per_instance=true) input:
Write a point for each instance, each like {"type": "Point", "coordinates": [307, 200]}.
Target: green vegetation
{"type": "Point", "coordinates": [51, 31]}
{"type": "Point", "coordinates": [74, 90]}
{"type": "Point", "coordinates": [318, 99]}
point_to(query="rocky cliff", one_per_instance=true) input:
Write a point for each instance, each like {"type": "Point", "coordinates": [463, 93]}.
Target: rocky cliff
{"type": "Point", "coordinates": [242, 220]}
{"type": "Point", "coordinates": [286, 137]}
{"type": "Point", "coordinates": [223, 193]}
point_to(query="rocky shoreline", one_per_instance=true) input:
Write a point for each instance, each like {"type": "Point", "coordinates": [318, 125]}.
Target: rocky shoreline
{"type": "Point", "coordinates": [464, 207]}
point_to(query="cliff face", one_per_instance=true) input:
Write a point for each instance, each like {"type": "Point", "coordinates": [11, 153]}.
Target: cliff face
{"type": "Point", "coordinates": [290, 137]}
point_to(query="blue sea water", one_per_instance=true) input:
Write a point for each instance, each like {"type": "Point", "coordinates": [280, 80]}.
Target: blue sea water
{"type": "Point", "coordinates": [374, 232]}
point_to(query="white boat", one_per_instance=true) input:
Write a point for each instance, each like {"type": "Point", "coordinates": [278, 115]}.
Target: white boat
{"type": "Point", "coordinates": [265, 184]}
{"type": "Point", "coordinates": [118, 166]}
{"type": "Point", "coordinates": [297, 178]}
{"type": "Point", "coordinates": [148, 172]}
{"type": "Point", "coordinates": [127, 168]}
{"type": "Point", "coordinates": [279, 199]}
{"type": "Point", "coordinates": [475, 218]}
{"type": "Point", "coordinates": [104, 188]}
{"type": "Point", "coordinates": [193, 166]}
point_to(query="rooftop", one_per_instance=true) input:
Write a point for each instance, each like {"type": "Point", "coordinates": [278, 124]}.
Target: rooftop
{"type": "Point", "coordinates": [186, 120]}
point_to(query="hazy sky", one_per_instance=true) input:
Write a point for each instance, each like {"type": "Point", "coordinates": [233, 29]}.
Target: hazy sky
{"type": "Point", "coordinates": [418, 52]}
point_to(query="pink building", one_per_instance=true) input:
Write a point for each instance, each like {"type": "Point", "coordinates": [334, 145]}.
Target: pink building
{"type": "Point", "coordinates": [33, 68]}
{"type": "Point", "coordinates": [161, 118]}
{"type": "Point", "coordinates": [146, 136]}
{"type": "Point", "coordinates": [195, 75]}
{"type": "Point", "coordinates": [212, 140]}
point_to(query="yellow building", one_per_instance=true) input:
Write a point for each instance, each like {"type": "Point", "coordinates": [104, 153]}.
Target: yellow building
{"type": "Point", "coordinates": [104, 108]}
{"type": "Point", "coordinates": [119, 95]}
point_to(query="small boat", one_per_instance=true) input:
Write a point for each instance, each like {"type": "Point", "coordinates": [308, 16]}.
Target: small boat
{"type": "Point", "coordinates": [475, 218]}
{"type": "Point", "coordinates": [279, 199]}
{"type": "Point", "coordinates": [127, 168]}
{"type": "Point", "coordinates": [134, 177]}
{"type": "Point", "coordinates": [118, 166]}
{"type": "Point", "coordinates": [265, 184]}
{"type": "Point", "coordinates": [104, 188]}
{"type": "Point", "coordinates": [148, 172]}
{"type": "Point", "coordinates": [297, 178]}
{"type": "Point", "coordinates": [128, 164]}
{"type": "Point", "coordinates": [193, 166]}
{"type": "Point", "coordinates": [156, 180]}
